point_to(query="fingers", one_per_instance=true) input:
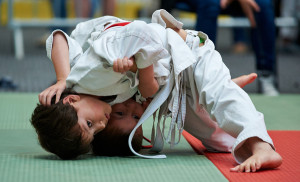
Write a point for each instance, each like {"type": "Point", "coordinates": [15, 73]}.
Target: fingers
{"type": "Point", "coordinates": [127, 63]}
{"type": "Point", "coordinates": [254, 5]}
{"type": "Point", "coordinates": [251, 4]}
{"type": "Point", "coordinates": [249, 14]}
{"type": "Point", "coordinates": [132, 58]}
{"type": "Point", "coordinates": [225, 3]}
{"type": "Point", "coordinates": [130, 62]}
{"type": "Point", "coordinates": [49, 97]}
{"type": "Point", "coordinates": [115, 66]}
{"type": "Point", "coordinates": [45, 97]}
{"type": "Point", "coordinates": [118, 65]}
{"type": "Point", "coordinates": [58, 94]}
{"type": "Point", "coordinates": [123, 65]}
{"type": "Point", "coordinates": [248, 6]}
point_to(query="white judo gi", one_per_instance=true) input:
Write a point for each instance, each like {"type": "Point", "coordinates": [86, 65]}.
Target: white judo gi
{"type": "Point", "coordinates": [196, 86]}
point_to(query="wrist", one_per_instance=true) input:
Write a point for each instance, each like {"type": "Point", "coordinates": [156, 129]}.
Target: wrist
{"type": "Point", "coordinates": [61, 80]}
{"type": "Point", "coordinates": [133, 68]}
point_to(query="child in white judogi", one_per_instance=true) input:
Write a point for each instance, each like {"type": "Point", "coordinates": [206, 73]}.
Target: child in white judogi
{"type": "Point", "coordinates": [201, 96]}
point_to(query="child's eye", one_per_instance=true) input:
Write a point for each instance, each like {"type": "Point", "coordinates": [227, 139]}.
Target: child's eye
{"type": "Point", "coordinates": [89, 123]}
{"type": "Point", "coordinates": [136, 117]}
{"type": "Point", "coordinates": [120, 113]}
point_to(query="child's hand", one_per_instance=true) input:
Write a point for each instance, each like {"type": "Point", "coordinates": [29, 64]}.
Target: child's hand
{"type": "Point", "coordinates": [125, 64]}
{"type": "Point", "coordinates": [56, 89]}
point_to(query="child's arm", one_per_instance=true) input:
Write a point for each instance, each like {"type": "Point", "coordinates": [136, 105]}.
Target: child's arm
{"type": "Point", "coordinates": [148, 85]}
{"type": "Point", "coordinates": [60, 59]}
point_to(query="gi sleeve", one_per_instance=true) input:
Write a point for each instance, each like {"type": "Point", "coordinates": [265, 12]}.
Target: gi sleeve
{"type": "Point", "coordinates": [75, 50]}
{"type": "Point", "coordinates": [134, 39]}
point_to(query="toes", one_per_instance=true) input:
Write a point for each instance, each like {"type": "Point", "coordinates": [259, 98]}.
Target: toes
{"type": "Point", "coordinates": [253, 167]}
{"type": "Point", "coordinates": [247, 168]}
{"type": "Point", "coordinates": [234, 169]}
{"type": "Point", "coordinates": [258, 165]}
{"type": "Point", "coordinates": [241, 168]}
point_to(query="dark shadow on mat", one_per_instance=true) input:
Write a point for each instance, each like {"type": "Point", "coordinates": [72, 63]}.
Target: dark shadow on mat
{"type": "Point", "coordinates": [54, 157]}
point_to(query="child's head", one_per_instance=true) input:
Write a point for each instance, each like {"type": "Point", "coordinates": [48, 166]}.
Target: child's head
{"type": "Point", "coordinates": [67, 127]}
{"type": "Point", "coordinates": [113, 140]}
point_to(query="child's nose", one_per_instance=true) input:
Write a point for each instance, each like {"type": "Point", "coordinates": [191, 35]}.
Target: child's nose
{"type": "Point", "coordinates": [98, 128]}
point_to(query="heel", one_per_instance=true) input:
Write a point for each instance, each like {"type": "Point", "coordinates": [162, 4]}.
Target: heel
{"type": "Point", "coordinates": [170, 21]}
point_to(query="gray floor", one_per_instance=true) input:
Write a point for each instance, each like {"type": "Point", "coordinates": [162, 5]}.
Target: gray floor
{"type": "Point", "coordinates": [35, 72]}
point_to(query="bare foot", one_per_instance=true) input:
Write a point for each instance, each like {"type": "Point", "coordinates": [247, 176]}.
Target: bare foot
{"type": "Point", "coordinates": [245, 79]}
{"type": "Point", "coordinates": [264, 157]}
{"type": "Point", "coordinates": [170, 21]}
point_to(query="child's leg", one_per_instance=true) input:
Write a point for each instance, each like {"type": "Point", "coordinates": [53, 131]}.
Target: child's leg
{"type": "Point", "coordinates": [200, 125]}
{"type": "Point", "coordinates": [172, 23]}
{"type": "Point", "coordinates": [234, 112]}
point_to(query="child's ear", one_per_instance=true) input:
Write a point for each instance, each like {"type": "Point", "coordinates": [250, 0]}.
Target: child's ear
{"type": "Point", "coordinates": [71, 99]}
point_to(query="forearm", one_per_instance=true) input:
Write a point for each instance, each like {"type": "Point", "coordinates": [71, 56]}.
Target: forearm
{"type": "Point", "coordinates": [60, 56]}
{"type": "Point", "coordinates": [148, 85]}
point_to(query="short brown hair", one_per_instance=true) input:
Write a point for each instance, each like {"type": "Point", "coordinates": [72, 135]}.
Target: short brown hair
{"type": "Point", "coordinates": [112, 141]}
{"type": "Point", "coordinates": [58, 130]}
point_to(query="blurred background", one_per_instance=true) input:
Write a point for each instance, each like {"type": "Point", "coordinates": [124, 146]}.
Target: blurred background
{"type": "Point", "coordinates": [25, 25]}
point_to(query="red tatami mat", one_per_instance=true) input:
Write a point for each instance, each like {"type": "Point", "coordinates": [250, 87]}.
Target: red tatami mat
{"type": "Point", "coordinates": [287, 144]}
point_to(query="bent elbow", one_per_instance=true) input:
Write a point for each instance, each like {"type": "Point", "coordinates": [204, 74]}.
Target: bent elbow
{"type": "Point", "coordinates": [150, 91]}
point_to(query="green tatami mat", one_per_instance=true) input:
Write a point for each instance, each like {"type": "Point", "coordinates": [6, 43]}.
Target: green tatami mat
{"type": "Point", "coordinates": [29, 163]}
{"type": "Point", "coordinates": [16, 109]}
{"type": "Point", "coordinates": [281, 113]}
{"type": "Point", "coordinates": [22, 159]}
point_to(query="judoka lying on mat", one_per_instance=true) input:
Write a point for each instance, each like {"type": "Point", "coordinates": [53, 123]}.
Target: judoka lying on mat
{"type": "Point", "coordinates": [183, 75]}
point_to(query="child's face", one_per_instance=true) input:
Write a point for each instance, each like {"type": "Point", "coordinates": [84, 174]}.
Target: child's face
{"type": "Point", "coordinates": [126, 115]}
{"type": "Point", "coordinates": [93, 115]}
